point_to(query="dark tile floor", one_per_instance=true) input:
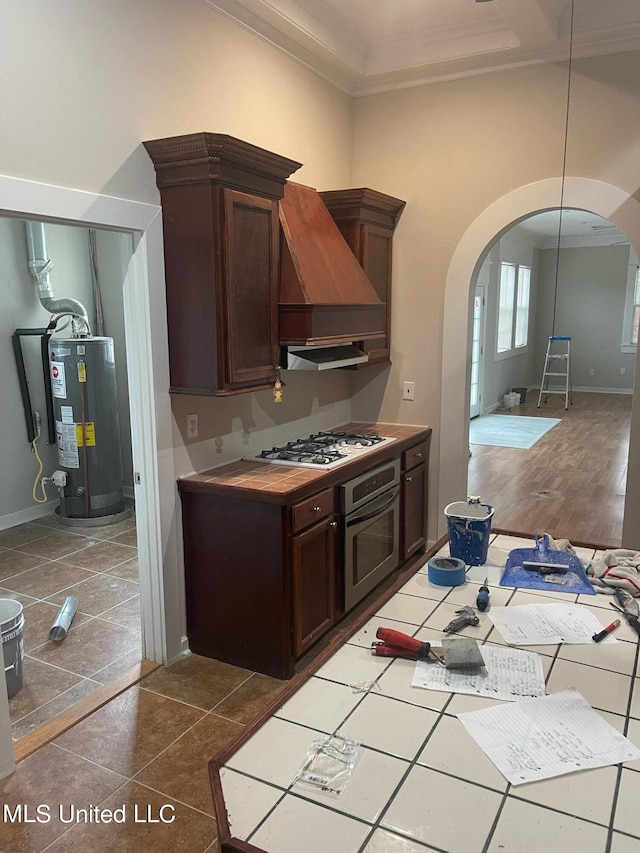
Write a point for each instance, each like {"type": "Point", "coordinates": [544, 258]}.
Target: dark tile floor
{"type": "Point", "coordinates": [145, 754]}
{"type": "Point", "coordinates": [43, 562]}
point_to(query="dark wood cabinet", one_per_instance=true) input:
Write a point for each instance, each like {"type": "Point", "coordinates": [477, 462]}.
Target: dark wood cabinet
{"type": "Point", "coordinates": [260, 578]}
{"type": "Point", "coordinates": [367, 220]}
{"type": "Point", "coordinates": [238, 593]}
{"type": "Point", "coordinates": [262, 553]}
{"type": "Point", "coordinates": [314, 571]}
{"type": "Point", "coordinates": [219, 200]}
{"type": "Point", "coordinates": [413, 499]}
{"type": "Point", "coordinates": [313, 529]}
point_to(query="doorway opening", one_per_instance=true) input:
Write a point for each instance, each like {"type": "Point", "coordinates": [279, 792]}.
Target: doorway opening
{"type": "Point", "coordinates": [582, 194]}
{"type": "Point", "coordinates": [136, 229]}
{"type": "Point", "coordinates": [582, 287]}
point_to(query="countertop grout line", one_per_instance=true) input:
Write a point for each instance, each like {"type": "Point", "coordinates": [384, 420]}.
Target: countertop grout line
{"type": "Point", "coordinates": [509, 792]}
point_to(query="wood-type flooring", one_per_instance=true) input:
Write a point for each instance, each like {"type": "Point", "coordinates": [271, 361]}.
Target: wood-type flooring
{"type": "Point", "coordinates": [570, 484]}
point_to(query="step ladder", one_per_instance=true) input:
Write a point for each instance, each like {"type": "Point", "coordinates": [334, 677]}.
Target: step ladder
{"type": "Point", "coordinates": [557, 363]}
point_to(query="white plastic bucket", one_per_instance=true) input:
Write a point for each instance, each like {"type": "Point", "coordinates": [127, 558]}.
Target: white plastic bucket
{"type": "Point", "coordinates": [11, 628]}
{"type": "Point", "coordinates": [511, 400]}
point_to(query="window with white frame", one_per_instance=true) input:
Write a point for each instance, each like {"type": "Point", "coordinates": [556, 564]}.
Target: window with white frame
{"type": "Point", "coordinates": [513, 308]}
{"type": "Point", "coordinates": [631, 322]}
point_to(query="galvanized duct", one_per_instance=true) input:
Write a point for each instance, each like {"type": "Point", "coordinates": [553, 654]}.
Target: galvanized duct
{"type": "Point", "coordinates": [40, 267]}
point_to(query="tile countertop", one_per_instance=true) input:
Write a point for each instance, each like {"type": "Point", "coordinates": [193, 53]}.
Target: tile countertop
{"type": "Point", "coordinates": [264, 481]}
{"type": "Point", "coordinates": [421, 782]}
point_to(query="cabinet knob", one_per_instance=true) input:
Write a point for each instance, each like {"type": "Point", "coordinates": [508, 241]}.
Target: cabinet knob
{"type": "Point", "coordinates": [333, 524]}
{"type": "Point", "coordinates": [418, 455]}
{"type": "Point", "coordinates": [317, 508]}
{"type": "Point", "coordinates": [407, 479]}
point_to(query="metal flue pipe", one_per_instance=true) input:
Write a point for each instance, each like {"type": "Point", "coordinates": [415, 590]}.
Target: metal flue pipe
{"type": "Point", "coordinates": [40, 267]}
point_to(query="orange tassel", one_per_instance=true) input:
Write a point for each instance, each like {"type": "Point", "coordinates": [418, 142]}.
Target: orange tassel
{"type": "Point", "coordinates": [277, 388]}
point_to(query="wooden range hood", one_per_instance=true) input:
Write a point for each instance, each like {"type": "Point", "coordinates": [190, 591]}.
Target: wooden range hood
{"type": "Point", "coordinates": [325, 296]}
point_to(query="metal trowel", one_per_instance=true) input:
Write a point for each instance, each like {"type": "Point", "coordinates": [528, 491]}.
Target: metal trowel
{"type": "Point", "coordinates": [462, 653]}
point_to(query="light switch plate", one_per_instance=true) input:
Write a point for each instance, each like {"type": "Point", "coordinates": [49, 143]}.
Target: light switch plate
{"type": "Point", "coordinates": [408, 390]}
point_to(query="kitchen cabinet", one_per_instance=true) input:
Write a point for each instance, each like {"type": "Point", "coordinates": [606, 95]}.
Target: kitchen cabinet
{"type": "Point", "coordinates": [238, 593]}
{"type": "Point", "coordinates": [262, 553]}
{"type": "Point", "coordinates": [413, 499]}
{"type": "Point", "coordinates": [260, 579]}
{"type": "Point", "coordinates": [314, 570]}
{"type": "Point", "coordinates": [367, 220]}
{"type": "Point", "coordinates": [219, 199]}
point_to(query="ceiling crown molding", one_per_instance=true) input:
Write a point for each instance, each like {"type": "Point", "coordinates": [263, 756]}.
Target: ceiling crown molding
{"type": "Point", "coordinates": [367, 47]}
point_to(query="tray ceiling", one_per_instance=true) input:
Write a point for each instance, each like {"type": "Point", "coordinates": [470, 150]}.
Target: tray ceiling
{"type": "Point", "coordinates": [367, 46]}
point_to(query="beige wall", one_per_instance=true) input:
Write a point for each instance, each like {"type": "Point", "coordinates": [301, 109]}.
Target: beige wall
{"type": "Point", "coordinates": [112, 74]}
{"type": "Point", "coordinates": [84, 83]}
{"type": "Point", "coordinates": [590, 305]}
{"type": "Point", "coordinates": [76, 110]}
{"type": "Point", "coordinates": [453, 151]}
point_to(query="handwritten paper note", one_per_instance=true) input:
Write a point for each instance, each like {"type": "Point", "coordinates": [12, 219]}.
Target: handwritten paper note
{"type": "Point", "coordinates": [509, 674]}
{"type": "Point", "coordinates": [546, 624]}
{"type": "Point", "coordinates": [539, 738]}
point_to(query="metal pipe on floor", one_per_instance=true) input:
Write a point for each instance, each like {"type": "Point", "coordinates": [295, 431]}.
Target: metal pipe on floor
{"type": "Point", "coordinates": [60, 627]}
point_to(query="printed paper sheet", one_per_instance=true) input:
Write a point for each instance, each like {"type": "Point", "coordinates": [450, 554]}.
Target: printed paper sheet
{"type": "Point", "coordinates": [510, 674]}
{"type": "Point", "coordinates": [539, 738]}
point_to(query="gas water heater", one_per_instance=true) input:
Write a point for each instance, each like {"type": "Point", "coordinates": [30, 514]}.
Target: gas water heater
{"type": "Point", "coordinates": [85, 406]}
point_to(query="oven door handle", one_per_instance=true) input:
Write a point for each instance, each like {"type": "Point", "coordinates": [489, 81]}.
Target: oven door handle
{"type": "Point", "coordinates": [378, 511]}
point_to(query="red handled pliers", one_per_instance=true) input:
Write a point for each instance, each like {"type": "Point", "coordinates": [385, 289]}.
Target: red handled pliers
{"type": "Point", "coordinates": [395, 644]}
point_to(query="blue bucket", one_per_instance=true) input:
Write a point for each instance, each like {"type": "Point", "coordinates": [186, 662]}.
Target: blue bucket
{"type": "Point", "coordinates": [469, 528]}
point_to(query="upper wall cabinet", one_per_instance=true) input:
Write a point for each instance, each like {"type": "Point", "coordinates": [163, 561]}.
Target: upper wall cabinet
{"type": "Point", "coordinates": [219, 200]}
{"type": "Point", "coordinates": [367, 220]}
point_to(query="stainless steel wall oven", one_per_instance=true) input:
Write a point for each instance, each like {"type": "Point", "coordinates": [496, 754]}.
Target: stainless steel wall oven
{"type": "Point", "coordinates": [370, 506]}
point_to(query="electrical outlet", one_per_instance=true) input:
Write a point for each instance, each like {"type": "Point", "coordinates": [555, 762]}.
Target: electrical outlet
{"type": "Point", "coordinates": [592, 372]}
{"type": "Point", "coordinates": [192, 426]}
{"type": "Point", "coordinates": [408, 390]}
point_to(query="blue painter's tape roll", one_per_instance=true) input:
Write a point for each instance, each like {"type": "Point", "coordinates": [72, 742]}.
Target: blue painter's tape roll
{"type": "Point", "coordinates": [446, 571]}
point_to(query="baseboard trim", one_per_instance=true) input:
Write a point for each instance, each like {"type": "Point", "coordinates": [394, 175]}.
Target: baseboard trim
{"type": "Point", "coordinates": [590, 390]}
{"type": "Point", "coordinates": [13, 519]}
{"type": "Point", "coordinates": [536, 389]}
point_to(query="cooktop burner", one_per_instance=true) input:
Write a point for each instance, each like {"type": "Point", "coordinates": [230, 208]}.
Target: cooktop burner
{"type": "Point", "coordinates": [322, 449]}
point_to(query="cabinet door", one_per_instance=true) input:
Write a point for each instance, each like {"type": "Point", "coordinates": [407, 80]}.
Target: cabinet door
{"type": "Point", "coordinates": [314, 583]}
{"type": "Point", "coordinates": [221, 242]}
{"type": "Point", "coordinates": [376, 245]}
{"type": "Point", "coordinates": [414, 510]}
{"type": "Point", "coordinates": [250, 292]}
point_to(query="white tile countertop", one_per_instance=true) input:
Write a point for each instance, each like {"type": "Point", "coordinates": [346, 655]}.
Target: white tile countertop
{"type": "Point", "coordinates": [421, 782]}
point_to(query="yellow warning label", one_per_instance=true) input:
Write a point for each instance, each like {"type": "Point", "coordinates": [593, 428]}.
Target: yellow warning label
{"type": "Point", "coordinates": [82, 371]}
{"type": "Point", "coordinates": [89, 435]}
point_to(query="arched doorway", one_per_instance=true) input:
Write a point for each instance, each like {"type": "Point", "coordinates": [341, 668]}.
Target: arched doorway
{"type": "Point", "coordinates": [596, 196]}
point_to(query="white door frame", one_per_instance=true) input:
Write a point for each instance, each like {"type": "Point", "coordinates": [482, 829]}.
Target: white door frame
{"type": "Point", "coordinates": [479, 290]}
{"type": "Point", "coordinates": [148, 376]}
{"type": "Point", "coordinates": [606, 200]}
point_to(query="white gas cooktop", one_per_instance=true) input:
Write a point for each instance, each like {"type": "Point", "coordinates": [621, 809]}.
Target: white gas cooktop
{"type": "Point", "coordinates": [323, 450]}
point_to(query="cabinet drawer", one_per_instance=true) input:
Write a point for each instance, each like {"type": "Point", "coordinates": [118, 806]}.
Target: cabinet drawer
{"type": "Point", "coordinates": [312, 510]}
{"type": "Point", "coordinates": [415, 455]}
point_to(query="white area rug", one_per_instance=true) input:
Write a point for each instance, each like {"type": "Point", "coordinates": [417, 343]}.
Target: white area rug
{"type": "Point", "coordinates": [509, 430]}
